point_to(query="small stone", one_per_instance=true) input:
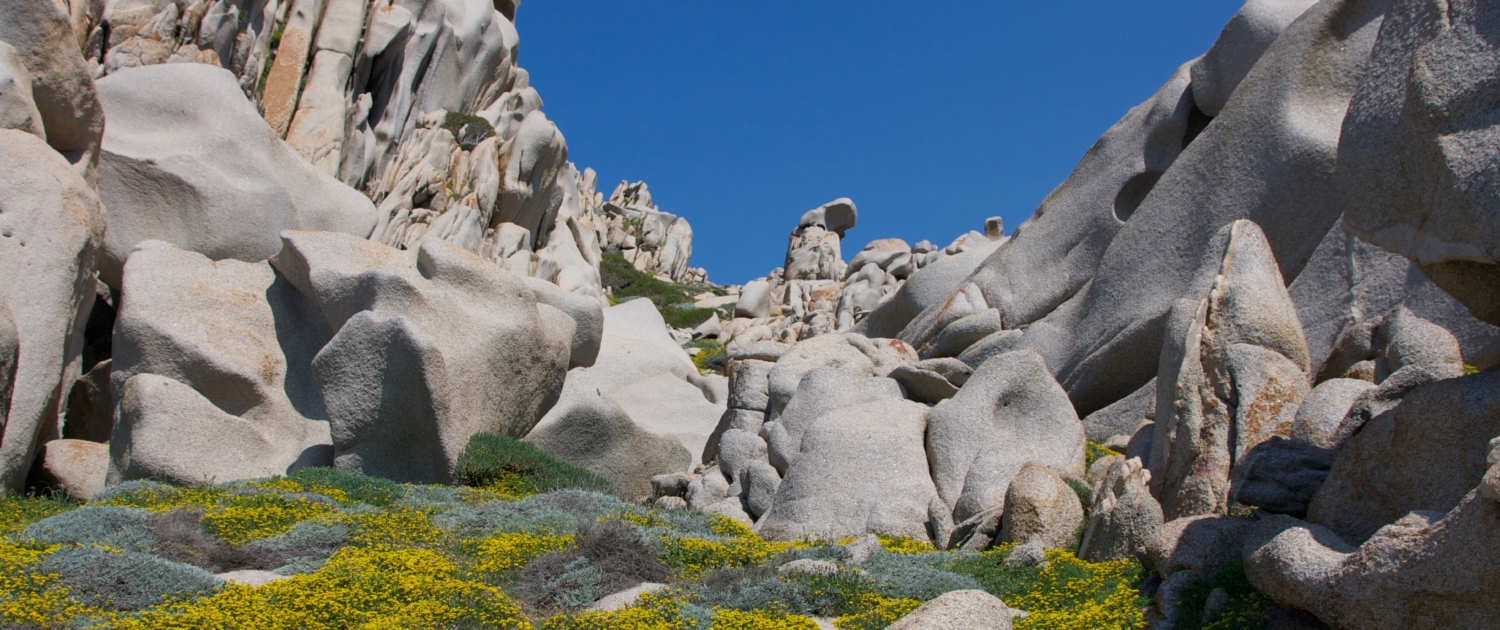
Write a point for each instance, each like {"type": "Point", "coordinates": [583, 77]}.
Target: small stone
{"type": "Point", "coordinates": [808, 567]}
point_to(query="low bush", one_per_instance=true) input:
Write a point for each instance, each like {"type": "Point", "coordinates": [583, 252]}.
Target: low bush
{"type": "Point", "coordinates": [19, 510]}
{"type": "Point", "coordinates": [518, 467]}
{"type": "Point", "coordinates": [346, 487]}
{"type": "Point", "coordinates": [467, 129]}
{"type": "Point", "coordinates": [108, 579]}
{"type": "Point", "coordinates": [1245, 604]}
{"type": "Point", "coordinates": [1094, 451]}
{"type": "Point", "coordinates": [180, 537]}
{"type": "Point", "coordinates": [561, 582]}
{"type": "Point", "coordinates": [916, 576]}
{"type": "Point", "coordinates": [617, 551]}
{"type": "Point", "coordinates": [1067, 593]}
{"type": "Point", "coordinates": [525, 516]}
{"type": "Point", "coordinates": [125, 529]}
{"type": "Point", "coordinates": [710, 357]}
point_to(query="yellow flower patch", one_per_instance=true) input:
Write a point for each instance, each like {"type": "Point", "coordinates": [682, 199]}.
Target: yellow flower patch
{"type": "Point", "coordinates": [775, 619]}
{"type": "Point", "coordinates": [1071, 593]}
{"type": "Point", "coordinates": [28, 599]}
{"type": "Point", "coordinates": [359, 587]}
{"type": "Point", "coordinates": [876, 612]}
{"type": "Point", "coordinates": [395, 528]}
{"type": "Point", "coordinates": [902, 544]}
{"type": "Point", "coordinates": [251, 518]}
{"type": "Point", "coordinates": [658, 611]}
{"type": "Point", "coordinates": [509, 551]}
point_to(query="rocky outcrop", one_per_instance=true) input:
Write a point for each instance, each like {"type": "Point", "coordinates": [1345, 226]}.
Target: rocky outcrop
{"type": "Point", "coordinates": [61, 83]}
{"type": "Point", "coordinates": [1419, 149]}
{"type": "Point", "coordinates": [212, 372]}
{"type": "Point", "coordinates": [51, 228]}
{"type": "Point", "coordinates": [188, 161]}
{"type": "Point", "coordinates": [1124, 516]}
{"type": "Point", "coordinates": [642, 409]}
{"type": "Point", "coordinates": [1425, 455]}
{"type": "Point", "coordinates": [1232, 373]}
{"type": "Point", "coordinates": [346, 352]}
{"type": "Point", "coordinates": [651, 240]}
{"type": "Point", "coordinates": [1010, 412]}
{"type": "Point", "coordinates": [829, 493]}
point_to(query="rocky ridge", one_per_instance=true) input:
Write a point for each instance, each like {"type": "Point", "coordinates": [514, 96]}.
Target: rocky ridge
{"type": "Point", "coordinates": [265, 236]}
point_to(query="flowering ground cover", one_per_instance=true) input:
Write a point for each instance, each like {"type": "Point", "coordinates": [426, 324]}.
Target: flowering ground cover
{"type": "Point", "coordinates": [358, 552]}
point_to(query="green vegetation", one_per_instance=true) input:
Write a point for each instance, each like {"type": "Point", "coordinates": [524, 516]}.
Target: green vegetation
{"type": "Point", "coordinates": [1470, 370]}
{"type": "Point", "coordinates": [1094, 451]}
{"type": "Point", "coordinates": [1243, 607]}
{"type": "Point", "coordinates": [674, 301]}
{"type": "Point", "coordinates": [710, 357]}
{"type": "Point", "coordinates": [469, 130]}
{"type": "Point", "coordinates": [515, 467]}
{"type": "Point", "coordinates": [506, 553]}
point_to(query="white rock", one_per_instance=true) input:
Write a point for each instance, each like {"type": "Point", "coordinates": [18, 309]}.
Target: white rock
{"type": "Point", "coordinates": [188, 161]}
{"type": "Point", "coordinates": [51, 226]}
{"type": "Point", "coordinates": [958, 610]}
{"type": "Point", "coordinates": [61, 83]}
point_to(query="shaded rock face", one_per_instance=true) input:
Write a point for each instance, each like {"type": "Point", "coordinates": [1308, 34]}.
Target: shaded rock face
{"type": "Point", "coordinates": [1420, 146]}
{"type": "Point", "coordinates": [341, 351]}
{"type": "Point", "coordinates": [187, 160]}
{"type": "Point", "coordinates": [53, 226]}
{"type": "Point", "coordinates": [1426, 454]}
{"type": "Point", "coordinates": [642, 409]}
{"type": "Point", "coordinates": [1232, 374]}
{"type": "Point", "coordinates": [1010, 412]}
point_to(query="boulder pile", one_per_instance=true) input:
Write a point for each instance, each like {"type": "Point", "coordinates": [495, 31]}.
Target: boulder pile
{"type": "Point", "coordinates": [1256, 326]}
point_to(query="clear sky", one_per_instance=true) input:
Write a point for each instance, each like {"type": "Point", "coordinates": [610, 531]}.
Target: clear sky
{"type": "Point", "coordinates": [931, 116]}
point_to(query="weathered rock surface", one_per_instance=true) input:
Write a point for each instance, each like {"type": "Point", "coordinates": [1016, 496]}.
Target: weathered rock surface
{"type": "Point", "coordinates": [829, 493]}
{"type": "Point", "coordinates": [62, 85]}
{"type": "Point", "coordinates": [1010, 412]}
{"type": "Point", "coordinates": [187, 160]}
{"type": "Point", "coordinates": [1280, 475]}
{"type": "Point", "coordinates": [1040, 508]}
{"type": "Point", "coordinates": [437, 325]}
{"type": "Point", "coordinates": [1123, 416]}
{"type": "Point", "coordinates": [1268, 157]}
{"type": "Point", "coordinates": [1124, 515]}
{"type": "Point", "coordinates": [642, 409]}
{"type": "Point", "coordinates": [1320, 414]}
{"type": "Point", "coordinates": [51, 226]}
{"type": "Point", "coordinates": [958, 610]}
{"type": "Point", "coordinates": [1419, 147]}
{"type": "Point", "coordinates": [1424, 455]}
{"type": "Point", "coordinates": [76, 466]}
{"type": "Point", "coordinates": [822, 390]}
{"type": "Point", "coordinates": [1199, 544]}
{"type": "Point", "coordinates": [17, 108]}
{"type": "Point", "coordinates": [1232, 374]}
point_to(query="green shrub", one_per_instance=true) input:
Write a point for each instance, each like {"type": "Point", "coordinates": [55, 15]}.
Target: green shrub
{"type": "Point", "coordinates": [1067, 593]}
{"type": "Point", "coordinates": [469, 130]}
{"type": "Point", "coordinates": [1082, 489]}
{"type": "Point", "coordinates": [492, 460]}
{"type": "Point", "coordinates": [915, 576]}
{"type": "Point", "coordinates": [628, 282]}
{"type": "Point", "coordinates": [361, 488]}
{"type": "Point", "coordinates": [561, 581]}
{"type": "Point", "coordinates": [1245, 603]}
{"type": "Point", "coordinates": [125, 529]}
{"type": "Point", "coordinates": [710, 357]}
{"type": "Point", "coordinates": [304, 547]}
{"type": "Point", "coordinates": [126, 580]}
{"type": "Point", "coordinates": [1094, 451]}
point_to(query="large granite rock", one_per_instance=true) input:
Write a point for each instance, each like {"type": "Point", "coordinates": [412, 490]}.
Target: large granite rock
{"type": "Point", "coordinates": [927, 287]}
{"type": "Point", "coordinates": [1232, 373]}
{"type": "Point", "coordinates": [1040, 509]}
{"type": "Point", "coordinates": [433, 345]}
{"type": "Point", "coordinates": [850, 352]}
{"type": "Point", "coordinates": [1425, 570]}
{"type": "Point", "coordinates": [642, 380]}
{"type": "Point", "coordinates": [1426, 454]}
{"type": "Point", "coordinates": [17, 108]}
{"type": "Point", "coordinates": [62, 84]}
{"type": "Point", "coordinates": [859, 469]}
{"type": "Point", "coordinates": [1245, 38]}
{"type": "Point", "coordinates": [212, 372]}
{"type": "Point", "coordinates": [1268, 157]}
{"type": "Point", "coordinates": [1420, 144]}
{"type": "Point", "coordinates": [51, 226]}
{"type": "Point", "coordinates": [822, 390]}
{"type": "Point", "coordinates": [187, 160]}
{"type": "Point", "coordinates": [1010, 412]}
{"type": "Point", "coordinates": [1349, 287]}
{"type": "Point", "coordinates": [958, 610]}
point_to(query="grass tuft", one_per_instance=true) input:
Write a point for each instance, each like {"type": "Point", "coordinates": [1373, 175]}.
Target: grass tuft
{"type": "Point", "coordinates": [519, 469]}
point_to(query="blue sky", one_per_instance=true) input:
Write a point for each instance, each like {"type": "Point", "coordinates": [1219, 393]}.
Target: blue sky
{"type": "Point", "coordinates": [931, 116]}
